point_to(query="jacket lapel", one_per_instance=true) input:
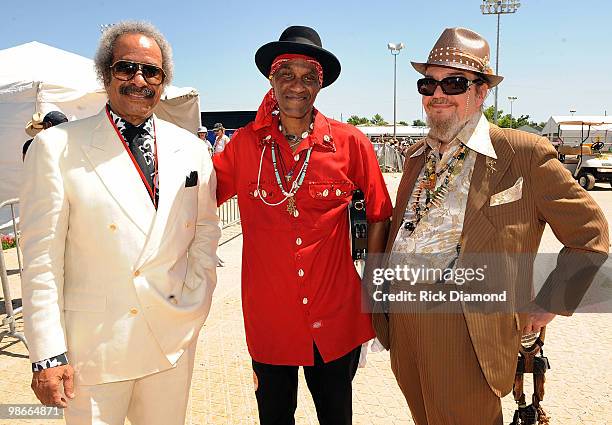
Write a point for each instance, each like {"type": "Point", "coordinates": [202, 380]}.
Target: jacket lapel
{"type": "Point", "coordinates": [412, 168]}
{"type": "Point", "coordinates": [172, 176]}
{"type": "Point", "coordinates": [113, 165]}
{"type": "Point", "coordinates": [485, 178]}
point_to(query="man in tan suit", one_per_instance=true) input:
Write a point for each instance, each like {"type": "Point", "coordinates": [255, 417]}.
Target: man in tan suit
{"type": "Point", "coordinates": [474, 192]}
{"type": "Point", "coordinates": [119, 226]}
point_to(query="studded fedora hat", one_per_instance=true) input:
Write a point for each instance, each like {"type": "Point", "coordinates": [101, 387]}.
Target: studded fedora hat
{"type": "Point", "coordinates": [300, 40]}
{"type": "Point", "coordinates": [464, 49]}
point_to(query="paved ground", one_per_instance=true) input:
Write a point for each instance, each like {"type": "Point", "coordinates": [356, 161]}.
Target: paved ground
{"type": "Point", "coordinates": [578, 388]}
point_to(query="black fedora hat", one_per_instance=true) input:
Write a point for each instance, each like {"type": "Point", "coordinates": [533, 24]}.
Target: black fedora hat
{"type": "Point", "coordinates": [303, 41]}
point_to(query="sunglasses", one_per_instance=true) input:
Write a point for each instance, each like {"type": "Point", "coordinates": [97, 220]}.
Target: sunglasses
{"type": "Point", "coordinates": [449, 85]}
{"type": "Point", "coordinates": [126, 70]}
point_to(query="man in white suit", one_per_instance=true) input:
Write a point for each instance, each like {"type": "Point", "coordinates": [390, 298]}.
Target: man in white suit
{"type": "Point", "coordinates": [119, 232]}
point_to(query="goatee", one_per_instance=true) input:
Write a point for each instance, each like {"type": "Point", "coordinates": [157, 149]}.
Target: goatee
{"type": "Point", "coordinates": [445, 130]}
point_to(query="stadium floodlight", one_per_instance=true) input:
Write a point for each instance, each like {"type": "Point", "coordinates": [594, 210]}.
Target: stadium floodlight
{"type": "Point", "coordinates": [395, 49]}
{"type": "Point", "coordinates": [511, 99]}
{"type": "Point", "coordinates": [498, 7]}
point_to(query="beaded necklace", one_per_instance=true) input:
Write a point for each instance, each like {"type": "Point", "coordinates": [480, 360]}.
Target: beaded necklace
{"type": "Point", "coordinates": [297, 183]}
{"type": "Point", "coordinates": [433, 195]}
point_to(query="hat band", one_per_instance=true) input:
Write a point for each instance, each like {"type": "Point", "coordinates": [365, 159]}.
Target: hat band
{"type": "Point", "coordinates": [455, 55]}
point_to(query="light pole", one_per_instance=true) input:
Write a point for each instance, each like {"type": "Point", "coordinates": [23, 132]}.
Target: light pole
{"type": "Point", "coordinates": [395, 49]}
{"type": "Point", "coordinates": [498, 7]}
{"type": "Point", "coordinates": [572, 111]}
{"type": "Point", "coordinates": [511, 99]}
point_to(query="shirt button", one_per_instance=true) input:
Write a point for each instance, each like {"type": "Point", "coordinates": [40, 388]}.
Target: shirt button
{"type": "Point", "coordinates": [298, 241]}
{"type": "Point", "coordinates": [296, 213]}
{"type": "Point", "coordinates": [304, 300]}
{"type": "Point", "coordinates": [173, 299]}
{"type": "Point", "coordinates": [137, 273]}
{"type": "Point", "coordinates": [338, 192]}
{"type": "Point", "coordinates": [316, 325]}
{"type": "Point", "coordinates": [325, 192]}
{"type": "Point", "coordinates": [326, 138]}
{"type": "Point", "coordinates": [264, 194]}
{"type": "Point", "coordinates": [300, 273]}
{"type": "Point", "coordinates": [113, 227]}
{"type": "Point", "coordinates": [133, 311]}
{"type": "Point", "coordinates": [297, 158]}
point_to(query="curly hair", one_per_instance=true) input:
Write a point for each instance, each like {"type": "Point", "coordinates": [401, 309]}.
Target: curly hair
{"type": "Point", "coordinates": [104, 55]}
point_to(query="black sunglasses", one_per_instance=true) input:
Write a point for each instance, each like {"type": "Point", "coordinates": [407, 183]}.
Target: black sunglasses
{"type": "Point", "coordinates": [449, 85]}
{"type": "Point", "coordinates": [126, 70]}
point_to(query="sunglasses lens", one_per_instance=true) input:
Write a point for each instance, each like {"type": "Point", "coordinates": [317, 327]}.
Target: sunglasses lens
{"type": "Point", "coordinates": [454, 85]}
{"type": "Point", "coordinates": [152, 74]}
{"type": "Point", "coordinates": [126, 70]}
{"type": "Point", "coordinates": [426, 86]}
{"type": "Point", "coordinates": [123, 70]}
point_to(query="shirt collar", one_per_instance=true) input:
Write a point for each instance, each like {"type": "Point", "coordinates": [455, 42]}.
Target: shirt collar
{"type": "Point", "coordinates": [122, 124]}
{"type": "Point", "coordinates": [476, 138]}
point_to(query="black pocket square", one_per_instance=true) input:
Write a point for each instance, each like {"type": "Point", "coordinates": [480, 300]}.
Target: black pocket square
{"type": "Point", "coordinates": [192, 179]}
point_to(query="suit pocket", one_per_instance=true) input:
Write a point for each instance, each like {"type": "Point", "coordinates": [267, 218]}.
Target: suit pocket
{"type": "Point", "coordinates": [83, 301]}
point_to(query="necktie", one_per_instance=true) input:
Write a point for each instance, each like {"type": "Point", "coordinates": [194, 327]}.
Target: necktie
{"type": "Point", "coordinates": [141, 147]}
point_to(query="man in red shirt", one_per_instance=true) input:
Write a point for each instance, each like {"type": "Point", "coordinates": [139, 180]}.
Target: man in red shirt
{"type": "Point", "coordinates": [294, 171]}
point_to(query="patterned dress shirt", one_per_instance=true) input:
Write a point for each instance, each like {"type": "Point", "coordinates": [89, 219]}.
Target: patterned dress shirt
{"type": "Point", "coordinates": [434, 242]}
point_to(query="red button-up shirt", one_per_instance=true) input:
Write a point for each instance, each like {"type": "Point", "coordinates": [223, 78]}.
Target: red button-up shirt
{"type": "Point", "coordinates": [299, 283]}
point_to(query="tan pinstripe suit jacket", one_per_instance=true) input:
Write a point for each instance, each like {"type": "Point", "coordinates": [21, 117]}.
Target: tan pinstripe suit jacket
{"type": "Point", "coordinates": [550, 195]}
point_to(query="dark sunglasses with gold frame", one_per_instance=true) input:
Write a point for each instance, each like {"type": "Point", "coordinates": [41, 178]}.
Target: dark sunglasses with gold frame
{"type": "Point", "coordinates": [126, 70]}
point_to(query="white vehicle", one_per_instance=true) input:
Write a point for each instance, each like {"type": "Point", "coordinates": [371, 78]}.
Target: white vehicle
{"type": "Point", "coordinates": [588, 162]}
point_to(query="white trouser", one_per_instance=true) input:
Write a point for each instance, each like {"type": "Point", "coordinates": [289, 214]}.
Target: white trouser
{"type": "Point", "coordinates": [157, 399]}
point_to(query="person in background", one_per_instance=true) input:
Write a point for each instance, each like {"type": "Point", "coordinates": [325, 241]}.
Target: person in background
{"type": "Point", "coordinates": [202, 133]}
{"type": "Point", "coordinates": [221, 140]}
{"type": "Point", "coordinates": [36, 125]}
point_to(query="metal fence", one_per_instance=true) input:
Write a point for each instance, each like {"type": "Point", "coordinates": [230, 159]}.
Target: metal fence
{"type": "Point", "coordinates": [390, 157]}
{"type": "Point", "coordinates": [10, 312]}
{"type": "Point", "coordinates": [229, 213]}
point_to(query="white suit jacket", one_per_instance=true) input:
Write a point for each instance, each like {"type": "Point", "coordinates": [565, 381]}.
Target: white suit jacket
{"type": "Point", "coordinates": [121, 287]}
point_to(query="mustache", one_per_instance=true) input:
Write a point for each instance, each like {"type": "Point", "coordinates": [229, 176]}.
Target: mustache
{"type": "Point", "coordinates": [145, 91]}
{"type": "Point", "coordinates": [438, 101]}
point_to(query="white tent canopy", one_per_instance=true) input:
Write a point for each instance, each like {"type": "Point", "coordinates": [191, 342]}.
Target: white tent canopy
{"type": "Point", "coordinates": [572, 133]}
{"type": "Point", "coordinates": [35, 77]}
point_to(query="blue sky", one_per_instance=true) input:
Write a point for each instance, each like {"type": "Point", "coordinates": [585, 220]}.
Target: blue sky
{"type": "Point", "coordinates": [554, 55]}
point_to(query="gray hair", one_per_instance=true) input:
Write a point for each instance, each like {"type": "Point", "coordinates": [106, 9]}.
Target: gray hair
{"type": "Point", "coordinates": [104, 55]}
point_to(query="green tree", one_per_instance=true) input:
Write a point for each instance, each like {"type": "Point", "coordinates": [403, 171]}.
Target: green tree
{"type": "Point", "coordinates": [507, 121]}
{"type": "Point", "coordinates": [355, 120]}
{"type": "Point", "coordinates": [403, 123]}
{"type": "Point", "coordinates": [419, 123]}
{"type": "Point", "coordinates": [378, 120]}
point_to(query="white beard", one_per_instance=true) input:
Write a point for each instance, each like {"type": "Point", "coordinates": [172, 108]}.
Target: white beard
{"type": "Point", "coordinates": [446, 129]}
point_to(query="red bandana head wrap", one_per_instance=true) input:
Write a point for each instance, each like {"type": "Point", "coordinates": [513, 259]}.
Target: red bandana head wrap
{"type": "Point", "coordinates": [282, 59]}
{"type": "Point", "coordinates": [269, 103]}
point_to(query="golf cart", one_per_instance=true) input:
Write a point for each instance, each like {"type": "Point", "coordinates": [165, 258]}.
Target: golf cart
{"type": "Point", "coordinates": [588, 161]}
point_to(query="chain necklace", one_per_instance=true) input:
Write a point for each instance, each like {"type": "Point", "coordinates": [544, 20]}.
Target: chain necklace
{"type": "Point", "coordinates": [297, 183]}
{"type": "Point", "coordinates": [288, 173]}
{"type": "Point", "coordinates": [292, 139]}
{"type": "Point", "coordinates": [433, 195]}
{"type": "Point", "coordinates": [289, 195]}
